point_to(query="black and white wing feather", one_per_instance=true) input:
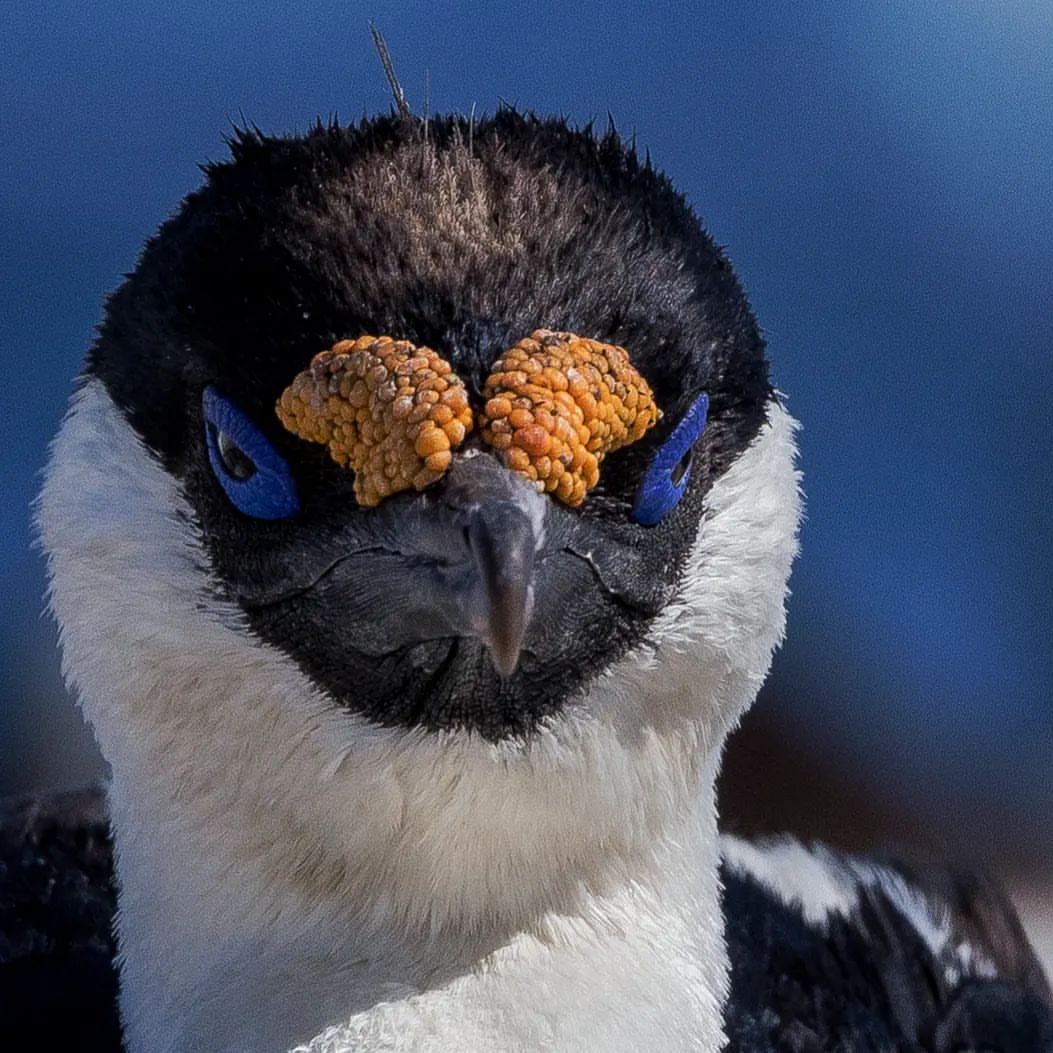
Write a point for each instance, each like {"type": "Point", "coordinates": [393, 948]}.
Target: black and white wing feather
{"type": "Point", "coordinates": [831, 954]}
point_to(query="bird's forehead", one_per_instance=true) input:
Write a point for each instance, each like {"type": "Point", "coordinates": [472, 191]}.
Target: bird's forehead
{"type": "Point", "coordinates": [466, 249]}
{"type": "Point", "coordinates": [463, 237]}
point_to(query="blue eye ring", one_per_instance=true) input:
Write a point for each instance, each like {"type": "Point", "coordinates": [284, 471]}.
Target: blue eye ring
{"type": "Point", "coordinates": [267, 490]}
{"type": "Point", "coordinates": [667, 475]}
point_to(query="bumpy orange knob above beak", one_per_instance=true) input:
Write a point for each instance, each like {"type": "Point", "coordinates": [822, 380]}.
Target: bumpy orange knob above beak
{"type": "Point", "coordinates": [557, 404]}
{"type": "Point", "coordinates": [389, 410]}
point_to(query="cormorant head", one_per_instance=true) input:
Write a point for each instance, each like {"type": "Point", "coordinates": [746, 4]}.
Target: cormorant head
{"type": "Point", "coordinates": [222, 588]}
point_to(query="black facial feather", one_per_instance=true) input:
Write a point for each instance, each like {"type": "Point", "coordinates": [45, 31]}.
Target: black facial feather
{"type": "Point", "coordinates": [463, 243]}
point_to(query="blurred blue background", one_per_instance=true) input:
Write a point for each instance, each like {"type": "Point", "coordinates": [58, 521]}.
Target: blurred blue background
{"type": "Point", "coordinates": [882, 177]}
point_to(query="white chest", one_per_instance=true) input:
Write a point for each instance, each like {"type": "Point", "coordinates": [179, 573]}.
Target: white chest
{"type": "Point", "coordinates": [652, 989]}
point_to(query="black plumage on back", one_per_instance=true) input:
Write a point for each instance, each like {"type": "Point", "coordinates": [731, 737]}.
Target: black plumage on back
{"type": "Point", "coordinates": [869, 982]}
{"type": "Point", "coordinates": [58, 985]}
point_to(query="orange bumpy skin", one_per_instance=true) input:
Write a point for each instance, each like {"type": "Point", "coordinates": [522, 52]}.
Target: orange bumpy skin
{"type": "Point", "coordinates": [557, 404]}
{"type": "Point", "coordinates": [389, 410]}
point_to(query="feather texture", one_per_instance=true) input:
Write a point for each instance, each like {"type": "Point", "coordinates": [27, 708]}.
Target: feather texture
{"type": "Point", "coordinates": [877, 958]}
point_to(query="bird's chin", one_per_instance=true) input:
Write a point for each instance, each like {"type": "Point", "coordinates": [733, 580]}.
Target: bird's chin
{"type": "Point", "coordinates": [448, 684]}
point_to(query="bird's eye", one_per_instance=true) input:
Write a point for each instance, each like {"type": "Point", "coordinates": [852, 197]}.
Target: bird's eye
{"type": "Point", "coordinates": [667, 475]}
{"type": "Point", "coordinates": [253, 474]}
{"type": "Point", "coordinates": [236, 463]}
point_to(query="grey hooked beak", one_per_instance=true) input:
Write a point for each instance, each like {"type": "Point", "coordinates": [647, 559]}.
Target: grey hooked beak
{"type": "Point", "coordinates": [489, 587]}
{"type": "Point", "coordinates": [503, 543]}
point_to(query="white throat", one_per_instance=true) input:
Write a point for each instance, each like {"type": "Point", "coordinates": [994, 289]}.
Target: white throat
{"type": "Point", "coordinates": [290, 874]}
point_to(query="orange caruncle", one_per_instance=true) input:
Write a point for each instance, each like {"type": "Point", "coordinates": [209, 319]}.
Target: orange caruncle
{"type": "Point", "coordinates": [390, 411]}
{"type": "Point", "coordinates": [557, 404]}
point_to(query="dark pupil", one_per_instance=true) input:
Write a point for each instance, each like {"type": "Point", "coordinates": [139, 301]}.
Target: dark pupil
{"type": "Point", "coordinates": [238, 465]}
{"type": "Point", "coordinates": [681, 468]}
